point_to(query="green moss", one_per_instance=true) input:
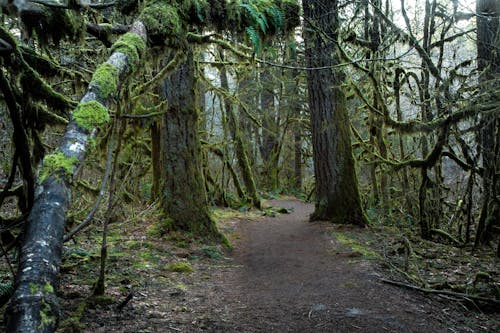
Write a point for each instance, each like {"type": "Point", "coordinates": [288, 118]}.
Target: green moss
{"type": "Point", "coordinates": [160, 228]}
{"type": "Point", "coordinates": [106, 78]}
{"type": "Point", "coordinates": [180, 267]}
{"type": "Point", "coordinates": [162, 19]}
{"type": "Point", "coordinates": [91, 114]}
{"type": "Point", "coordinates": [33, 288]}
{"type": "Point", "coordinates": [48, 288]}
{"type": "Point", "coordinates": [46, 318]}
{"type": "Point", "coordinates": [72, 323]}
{"type": "Point", "coordinates": [355, 245]}
{"type": "Point", "coordinates": [131, 45]}
{"type": "Point", "coordinates": [57, 162]}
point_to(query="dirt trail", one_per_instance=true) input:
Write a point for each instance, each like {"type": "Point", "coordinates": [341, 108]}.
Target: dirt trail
{"type": "Point", "coordinates": [284, 275]}
{"type": "Point", "coordinates": [293, 279]}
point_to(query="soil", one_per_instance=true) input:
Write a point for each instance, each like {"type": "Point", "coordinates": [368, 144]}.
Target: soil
{"type": "Point", "coordinates": [285, 274]}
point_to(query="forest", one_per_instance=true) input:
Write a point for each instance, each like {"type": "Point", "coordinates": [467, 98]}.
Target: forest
{"type": "Point", "coordinates": [250, 166]}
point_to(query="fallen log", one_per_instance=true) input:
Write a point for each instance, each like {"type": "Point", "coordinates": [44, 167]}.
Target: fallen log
{"type": "Point", "coordinates": [34, 306]}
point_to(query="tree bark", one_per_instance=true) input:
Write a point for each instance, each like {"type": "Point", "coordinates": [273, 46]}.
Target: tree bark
{"type": "Point", "coordinates": [337, 195]}
{"type": "Point", "coordinates": [34, 306]}
{"type": "Point", "coordinates": [184, 198]}
{"type": "Point", "coordinates": [239, 147]}
{"type": "Point", "coordinates": [488, 64]}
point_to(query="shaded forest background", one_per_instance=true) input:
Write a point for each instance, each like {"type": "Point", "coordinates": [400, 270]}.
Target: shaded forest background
{"type": "Point", "coordinates": [193, 104]}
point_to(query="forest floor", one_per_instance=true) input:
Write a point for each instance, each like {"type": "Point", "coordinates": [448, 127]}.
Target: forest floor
{"type": "Point", "coordinates": [284, 274]}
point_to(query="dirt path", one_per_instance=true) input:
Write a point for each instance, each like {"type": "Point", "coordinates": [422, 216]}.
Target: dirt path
{"type": "Point", "coordinates": [293, 279]}
{"type": "Point", "coordinates": [284, 275]}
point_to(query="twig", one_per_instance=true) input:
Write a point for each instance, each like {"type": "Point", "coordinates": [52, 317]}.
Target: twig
{"type": "Point", "coordinates": [129, 297]}
{"type": "Point", "coordinates": [443, 292]}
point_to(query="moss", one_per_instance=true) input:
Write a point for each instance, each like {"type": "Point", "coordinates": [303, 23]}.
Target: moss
{"type": "Point", "coordinates": [160, 228]}
{"type": "Point", "coordinates": [91, 114]}
{"type": "Point", "coordinates": [72, 324]}
{"type": "Point", "coordinates": [355, 245]}
{"type": "Point", "coordinates": [132, 45]}
{"type": "Point", "coordinates": [180, 267]}
{"type": "Point", "coordinates": [162, 21]}
{"type": "Point", "coordinates": [106, 78]}
{"type": "Point", "coordinates": [48, 288]}
{"type": "Point", "coordinates": [46, 317]}
{"type": "Point", "coordinates": [57, 162]}
{"type": "Point", "coordinates": [33, 288]}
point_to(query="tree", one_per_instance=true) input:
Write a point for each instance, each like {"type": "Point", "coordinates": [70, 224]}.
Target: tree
{"type": "Point", "coordinates": [488, 64]}
{"type": "Point", "coordinates": [183, 198]}
{"type": "Point", "coordinates": [33, 307]}
{"type": "Point", "coordinates": [337, 195]}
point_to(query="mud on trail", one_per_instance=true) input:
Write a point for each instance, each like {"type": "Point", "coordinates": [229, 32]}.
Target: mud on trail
{"type": "Point", "coordinates": [285, 274]}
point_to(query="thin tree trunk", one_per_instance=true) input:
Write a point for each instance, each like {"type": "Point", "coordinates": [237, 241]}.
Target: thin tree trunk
{"type": "Point", "coordinates": [239, 147]}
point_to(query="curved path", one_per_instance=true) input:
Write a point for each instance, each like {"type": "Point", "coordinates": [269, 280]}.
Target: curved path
{"type": "Point", "coordinates": [292, 279]}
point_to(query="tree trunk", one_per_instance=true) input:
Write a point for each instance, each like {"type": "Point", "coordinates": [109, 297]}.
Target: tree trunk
{"type": "Point", "coordinates": [34, 307]}
{"type": "Point", "coordinates": [488, 63]}
{"type": "Point", "coordinates": [239, 147]}
{"type": "Point", "coordinates": [269, 147]}
{"type": "Point", "coordinates": [337, 195]}
{"type": "Point", "coordinates": [184, 198]}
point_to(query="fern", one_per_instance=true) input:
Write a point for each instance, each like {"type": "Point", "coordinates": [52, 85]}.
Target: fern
{"type": "Point", "coordinates": [198, 10]}
{"type": "Point", "coordinates": [258, 16]}
{"type": "Point", "coordinates": [276, 16]}
{"type": "Point", "coordinates": [6, 292]}
{"type": "Point", "coordinates": [255, 38]}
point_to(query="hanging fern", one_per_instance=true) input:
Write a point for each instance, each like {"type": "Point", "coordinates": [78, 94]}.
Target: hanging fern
{"type": "Point", "coordinates": [255, 38]}
{"type": "Point", "coordinates": [276, 15]}
{"type": "Point", "coordinates": [258, 16]}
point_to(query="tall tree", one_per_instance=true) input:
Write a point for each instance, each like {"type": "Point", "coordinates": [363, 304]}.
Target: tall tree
{"type": "Point", "coordinates": [488, 64]}
{"type": "Point", "coordinates": [337, 195]}
{"type": "Point", "coordinates": [184, 199]}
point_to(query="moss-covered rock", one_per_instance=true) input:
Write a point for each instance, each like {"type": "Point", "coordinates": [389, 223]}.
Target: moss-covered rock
{"type": "Point", "coordinates": [180, 267]}
{"type": "Point", "coordinates": [91, 114]}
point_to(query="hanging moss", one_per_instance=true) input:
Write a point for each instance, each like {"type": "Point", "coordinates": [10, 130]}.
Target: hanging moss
{"type": "Point", "coordinates": [91, 114]}
{"type": "Point", "coordinates": [132, 45]}
{"type": "Point", "coordinates": [106, 78]}
{"type": "Point", "coordinates": [53, 24]}
{"type": "Point", "coordinates": [56, 162]}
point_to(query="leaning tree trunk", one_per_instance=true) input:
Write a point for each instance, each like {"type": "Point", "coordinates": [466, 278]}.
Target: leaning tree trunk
{"type": "Point", "coordinates": [337, 195]}
{"type": "Point", "coordinates": [184, 198]}
{"type": "Point", "coordinates": [488, 63]}
{"type": "Point", "coordinates": [34, 306]}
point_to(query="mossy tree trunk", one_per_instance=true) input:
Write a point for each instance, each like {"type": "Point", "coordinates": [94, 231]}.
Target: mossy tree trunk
{"type": "Point", "coordinates": [270, 145]}
{"type": "Point", "coordinates": [239, 146]}
{"type": "Point", "coordinates": [184, 198]}
{"type": "Point", "coordinates": [488, 63]}
{"type": "Point", "coordinates": [34, 307]}
{"type": "Point", "coordinates": [337, 195]}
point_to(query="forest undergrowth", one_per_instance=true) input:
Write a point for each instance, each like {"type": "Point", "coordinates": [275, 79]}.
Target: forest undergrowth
{"type": "Point", "coordinates": [142, 261]}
